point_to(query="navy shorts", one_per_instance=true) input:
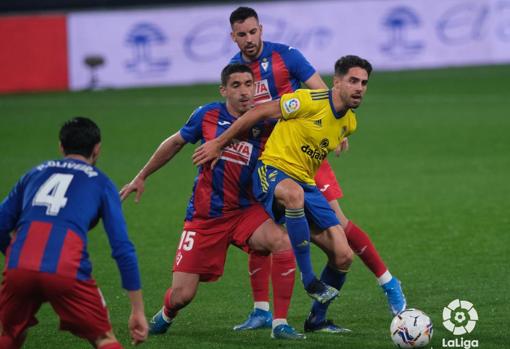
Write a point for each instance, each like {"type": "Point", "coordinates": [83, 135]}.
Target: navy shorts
{"type": "Point", "coordinates": [317, 210]}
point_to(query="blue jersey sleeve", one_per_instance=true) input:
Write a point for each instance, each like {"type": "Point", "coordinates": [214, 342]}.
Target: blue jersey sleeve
{"type": "Point", "coordinates": [123, 250]}
{"type": "Point", "coordinates": [192, 130]}
{"type": "Point", "coordinates": [298, 66]}
{"type": "Point", "coordinates": [10, 211]}
{"type": "Point", "coordinates": [236, 59]}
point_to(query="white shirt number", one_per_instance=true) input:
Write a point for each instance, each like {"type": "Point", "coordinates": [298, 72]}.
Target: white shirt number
{"type": "Point", "coordinates": [187, 240]}
{"type": "Point", "coordinates": [52, 193]}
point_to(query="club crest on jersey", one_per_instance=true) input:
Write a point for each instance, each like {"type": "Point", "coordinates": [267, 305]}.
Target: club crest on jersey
{"type": "Point", "coordinates": [291, 105]}
{"type": "Point", "coordinates": [265, 64]}
{"type": "Point", "coordinates": [324, 143]}
{"type": "Point", "coordinates": [256, 131]}
{"type": "Point", "coordinates": [237, 152]}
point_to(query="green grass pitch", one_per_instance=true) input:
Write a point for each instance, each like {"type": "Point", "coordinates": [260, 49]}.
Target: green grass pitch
{"type": "Point", "coordinates": [427, 176]}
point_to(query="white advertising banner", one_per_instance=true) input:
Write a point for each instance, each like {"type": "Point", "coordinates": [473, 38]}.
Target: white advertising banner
{"type": "Point", "coordinates": [186, 45]}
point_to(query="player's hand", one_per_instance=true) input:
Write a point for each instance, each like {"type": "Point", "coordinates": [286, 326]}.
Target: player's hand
{"type": "Point", "coordinates": [136, 185]}
{"type": "Point", "coordinates": [209, 151]}
{"type": "Point", "coordinates": [138, 328]}
{"type": "Point", "coordinates": [342, 147]}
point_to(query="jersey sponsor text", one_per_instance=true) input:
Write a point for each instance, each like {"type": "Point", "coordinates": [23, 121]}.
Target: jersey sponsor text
{"type": "Point", "coordinates": [238, 152]}
{"type": "Point", "coordinates": [262, 92]}
{"type": "Point", "coordinates": [314, 153]}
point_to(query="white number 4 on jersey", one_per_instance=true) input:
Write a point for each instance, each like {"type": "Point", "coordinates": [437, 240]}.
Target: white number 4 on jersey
{"type": "Point", "coordinates": [52, 193]}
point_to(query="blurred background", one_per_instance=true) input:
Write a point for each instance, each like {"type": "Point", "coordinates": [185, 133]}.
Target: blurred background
{"type": "Point", "coordinates": [73, 45]}
{"type": "Point", "coordinates": [426, 174]}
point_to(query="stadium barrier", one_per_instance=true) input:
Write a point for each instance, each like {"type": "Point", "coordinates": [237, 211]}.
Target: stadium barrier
{"type": "Point", "coordinates": [186, 45]}
{"type": "Point", "coordinates": [33, 53]}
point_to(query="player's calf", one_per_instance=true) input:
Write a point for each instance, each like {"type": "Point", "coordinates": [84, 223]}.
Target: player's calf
{"type": "Point", "coordinates": [180, 298]}
{"type": "Point", "coordinates": [183, 290]}
{"type": "Point", "coordinates": [334, 243]}
{"type": "Point", "coordinates": [342, 261]}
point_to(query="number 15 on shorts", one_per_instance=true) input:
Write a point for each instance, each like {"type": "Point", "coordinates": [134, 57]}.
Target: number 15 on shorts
{"type": "Point", "coordinates": [187, 241]}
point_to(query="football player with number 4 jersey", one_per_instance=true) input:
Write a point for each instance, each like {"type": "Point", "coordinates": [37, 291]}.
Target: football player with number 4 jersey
{"type": "Point", "coordinates": [44, 222]}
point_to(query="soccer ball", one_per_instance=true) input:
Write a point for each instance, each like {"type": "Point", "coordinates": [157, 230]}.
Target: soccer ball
{"type": "Point", "coordinates": [411, 328]}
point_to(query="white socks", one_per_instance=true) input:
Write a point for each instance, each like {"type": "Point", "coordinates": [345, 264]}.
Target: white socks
{"type": "Point", "coordinates": [384, 278]}
{"type": "Point", "coordinates": [261, 305]}
{"type": "Point", "coordinates": [277, 322]}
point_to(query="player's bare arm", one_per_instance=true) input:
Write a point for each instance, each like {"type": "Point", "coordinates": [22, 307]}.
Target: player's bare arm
{"type": "Point", "coordinates": [212, 149]}
{"type": "Point", "coordinates": [315, 82]}
{"type": "Point", "coordinates": [165, 152]}
{"type": "Point", "coordinates": [342, 147]}
{"type": "Point", "coordinates": [138, 326]}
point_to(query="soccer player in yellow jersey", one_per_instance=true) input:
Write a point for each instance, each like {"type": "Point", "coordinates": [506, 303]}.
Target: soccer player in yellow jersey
{"type": "Point", "coordinates": [311, 129]}
{"type": "Point", "coordinates": [312, 123]}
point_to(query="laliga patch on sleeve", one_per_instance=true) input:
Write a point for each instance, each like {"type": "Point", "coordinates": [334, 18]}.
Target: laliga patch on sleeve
{"type": "Point", "coordinates": [291, 105]}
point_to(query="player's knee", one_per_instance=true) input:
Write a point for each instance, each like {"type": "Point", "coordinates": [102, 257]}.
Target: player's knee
{"type": "Point", "coordinates": [343, 260]}
{"type": "Point", "coordinates": [294, 198]}
{"type": "Point", "coordinates": [279, 242]}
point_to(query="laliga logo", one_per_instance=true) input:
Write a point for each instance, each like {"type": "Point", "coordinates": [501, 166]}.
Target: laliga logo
{"type": "Point", "coordinates": [291, 105]}
{"type": "Point", "coordinates": [460, 317]}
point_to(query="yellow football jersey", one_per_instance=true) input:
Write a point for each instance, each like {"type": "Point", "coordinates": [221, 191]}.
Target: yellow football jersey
{"type": "Point", "coordinates": [309, 129]}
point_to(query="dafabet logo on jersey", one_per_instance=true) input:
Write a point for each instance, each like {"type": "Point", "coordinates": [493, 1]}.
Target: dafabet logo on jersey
{"type": "Point", "coordinates": [318, 154]}
{"type": "Point", "coordinates": [460, 317]}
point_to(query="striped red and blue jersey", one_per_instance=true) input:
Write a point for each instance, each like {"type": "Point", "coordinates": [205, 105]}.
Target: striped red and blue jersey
{"type": "Point", "coordinates": [49, 213]}
{"type": "Point", "coordinates": [278, 70]}
{"type": "Point", "coordinates": [227, 187]}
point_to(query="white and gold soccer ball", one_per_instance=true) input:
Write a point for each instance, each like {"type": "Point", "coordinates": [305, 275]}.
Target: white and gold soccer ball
{"type": "Point", "coordinates": [411, 328]}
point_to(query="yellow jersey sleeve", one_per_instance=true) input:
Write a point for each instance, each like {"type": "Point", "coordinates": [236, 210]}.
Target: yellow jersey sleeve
{"type": "Point", "coordinates": [298, 104]}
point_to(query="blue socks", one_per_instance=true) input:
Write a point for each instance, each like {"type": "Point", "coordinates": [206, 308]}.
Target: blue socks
{"type": "Point", "coordinates": [299, 235]}
{"type": "Point", "coordinates": [332, 277]}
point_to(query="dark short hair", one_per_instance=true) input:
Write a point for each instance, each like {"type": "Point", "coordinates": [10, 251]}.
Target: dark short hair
{"type": "Point", "coordinates": [79, 136]}
{"type": "Point", "coordinates": [232, 69]}
{"type": "Point", "coordinates": [241, 14]}
{"type": "Point", "coordinates": [345, 63]}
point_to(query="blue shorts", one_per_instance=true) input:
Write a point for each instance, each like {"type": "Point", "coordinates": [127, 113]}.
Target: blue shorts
{"type": "Point", "coordinates": [317, 210]}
